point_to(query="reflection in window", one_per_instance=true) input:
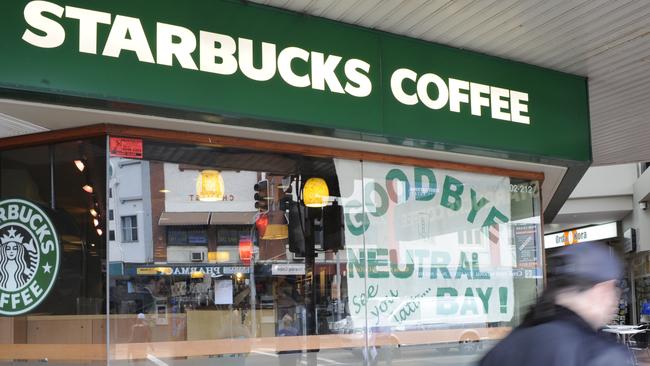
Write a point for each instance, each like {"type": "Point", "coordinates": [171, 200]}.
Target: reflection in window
{"type": "Point", "coordinates": [187, 235]}
{"type": "Point", "coordinates": [129, 228]}
{"type": "Point", "coordinates": [231, 234]}
{"type": "Point", "coordinates": [388, 261]}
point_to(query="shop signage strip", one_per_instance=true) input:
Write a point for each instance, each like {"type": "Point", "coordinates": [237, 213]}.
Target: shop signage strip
{"type": "Point", "coordinates": [575, 236]}
{"type": "Point", "coordinates": [188, 270]}
{"type": "Point", "coordinates": [225, 57]}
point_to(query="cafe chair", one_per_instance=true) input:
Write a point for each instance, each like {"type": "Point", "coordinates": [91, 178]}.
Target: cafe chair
{"type": "Point", "coordinates": [640, 342]}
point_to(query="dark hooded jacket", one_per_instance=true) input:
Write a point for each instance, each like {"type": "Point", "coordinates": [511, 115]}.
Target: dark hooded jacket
{"type": "Point", "coordinates": [561, 339]}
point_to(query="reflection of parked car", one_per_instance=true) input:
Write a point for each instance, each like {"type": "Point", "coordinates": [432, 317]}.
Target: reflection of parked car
{"type": "Point", "coordinates": [467, 333]}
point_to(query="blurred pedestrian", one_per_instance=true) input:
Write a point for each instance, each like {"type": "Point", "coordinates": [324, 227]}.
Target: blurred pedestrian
{"type": "Point", "coordinates": [562, 329]}
{"type": "Point", "coordinates": [141, 336]}
{"type": "Point", "coordinates": [288, 357]}
{"type": "Point", "coordinates": [140, 332]}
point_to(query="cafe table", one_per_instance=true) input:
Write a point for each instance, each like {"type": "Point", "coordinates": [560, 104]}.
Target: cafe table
{"type": "Point", "coordinates": [622, 326]}
{"type": "Point", "coordinates": [623, 332]}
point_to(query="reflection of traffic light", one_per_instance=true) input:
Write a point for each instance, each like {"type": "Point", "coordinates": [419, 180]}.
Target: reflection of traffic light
{"type": "Point", "coordinates": [284, 202]}
{"type": "Point", "coordinates": [333, 228]}
{"type": "Point", "coordinates": [298, 227]}
{"type": "Point", "coordinates": [261, 195]}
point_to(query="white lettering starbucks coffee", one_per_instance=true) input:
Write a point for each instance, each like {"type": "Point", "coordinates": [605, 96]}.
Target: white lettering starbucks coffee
{"type": "Point", "coordinates": [226, 55]}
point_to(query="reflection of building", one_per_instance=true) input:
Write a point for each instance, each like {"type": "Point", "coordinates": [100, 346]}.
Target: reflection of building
{"type": "Point", "coordinates": [190, 230]}
{"type": "Point", "coordinates": [129, 225]}
{"type": "Point", "coordinates": [609, 206]}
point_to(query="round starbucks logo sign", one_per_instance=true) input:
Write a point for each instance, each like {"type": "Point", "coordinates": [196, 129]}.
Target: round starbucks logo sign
{"type": "Point", "coordinates": [29, 256]}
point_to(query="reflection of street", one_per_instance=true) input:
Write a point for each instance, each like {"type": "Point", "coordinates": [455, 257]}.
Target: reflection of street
{"type": "Point", "coordinates": [410, 356]}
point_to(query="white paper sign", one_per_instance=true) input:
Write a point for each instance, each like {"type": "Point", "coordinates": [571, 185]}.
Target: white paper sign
{"type": "Point", "coordinates": [426, 245]}
{"type": "Point", "coordinates": [223, 292]}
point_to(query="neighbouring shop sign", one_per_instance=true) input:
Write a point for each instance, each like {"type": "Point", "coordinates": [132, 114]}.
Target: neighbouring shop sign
{"type": "Point", "coordinates": [629, 240]}
{"type": "Point", "coordinates": [288, 269]}
{"type": "Point", "coordinates": [575, 236]}
{"type": "Point", "coordinates": [29, 256]}
{"type": "Point", "coordinates": [209, 270]}
{"type": "Point", "coordinates": [406, 262]}
{"type": "Point", "coordinates": [225, 57]}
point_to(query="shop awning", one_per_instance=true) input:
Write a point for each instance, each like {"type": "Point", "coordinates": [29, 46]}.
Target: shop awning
{"type": "Point", "coordinates": [184, 218]}
{"type": "Point", "coordinates": [206, 218]}
{"type": "Point", "coordinates": [232, 218]}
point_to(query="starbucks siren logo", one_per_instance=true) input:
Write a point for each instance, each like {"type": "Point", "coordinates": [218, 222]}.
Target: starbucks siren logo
{"type": "Point", "coordinates": [29, 256]}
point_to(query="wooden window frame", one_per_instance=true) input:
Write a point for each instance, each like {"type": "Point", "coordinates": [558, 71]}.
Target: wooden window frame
{"type": "Point", "coordinates": [251, 144]}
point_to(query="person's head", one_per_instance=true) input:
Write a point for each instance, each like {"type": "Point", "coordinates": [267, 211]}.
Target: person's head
{"type": "Point", "coordinates": [140, 318]}
{"type": "Point", "coordinates": [584, 278]}
{"type": "Point", "coordinates": [287, 321]}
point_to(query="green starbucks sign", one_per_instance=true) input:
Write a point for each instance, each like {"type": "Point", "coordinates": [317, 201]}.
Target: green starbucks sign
{"type": "Point", "coordinates": [262, 67]}
{"type": "Point", "coordinates": [29, 256]}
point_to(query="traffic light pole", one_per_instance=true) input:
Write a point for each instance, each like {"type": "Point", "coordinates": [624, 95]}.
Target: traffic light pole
{"type": "Point", "coordinates": [253, 294]}
{"type": "Point", "coordinates": [310, 263]}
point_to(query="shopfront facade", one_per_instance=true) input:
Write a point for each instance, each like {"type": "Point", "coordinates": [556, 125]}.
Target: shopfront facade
{"type": "Point", "coordinates": [269, 187]}
{"type": "Point", "coordinates": [621, 244]}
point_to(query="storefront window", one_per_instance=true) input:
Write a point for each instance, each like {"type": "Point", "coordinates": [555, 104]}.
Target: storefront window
{"type": "Point", "coordinates": [245, 257]}
{"type": "Point", "coordinates": [53, 278]}
{"type": "Point", "coordinates": [234, 256]}
{"type": "Point", "coordinates": [227, 256]}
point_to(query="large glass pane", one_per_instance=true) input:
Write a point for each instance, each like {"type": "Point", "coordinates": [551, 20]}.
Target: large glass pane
{"type": "Point", "coordinates": [215, 275]}
{"type": "Point", "coordinates": [243, 257]}
{"type": "Point", "coordinates": [52, 254]}
{"type": "Point", "coordinates": [26, 174]}
{"type": "Point", "coordinates": [452, 261]}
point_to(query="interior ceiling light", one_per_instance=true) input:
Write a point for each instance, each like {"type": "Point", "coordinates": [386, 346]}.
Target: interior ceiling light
{"type": "Point", "coordinates": [93, 212]}
{"type": "Point", "coordinates": [87, 188]}
{"type": "Point", "coordinates": [99, 232]}
{"type": "Point", "coordinates": [80, 165]}
{"type": "Point", "coordinates": [315, 193]}
{"type": "Point", "coordinates": [209, 186]}
{"type": "Point", "coordinates": [95, 222]}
